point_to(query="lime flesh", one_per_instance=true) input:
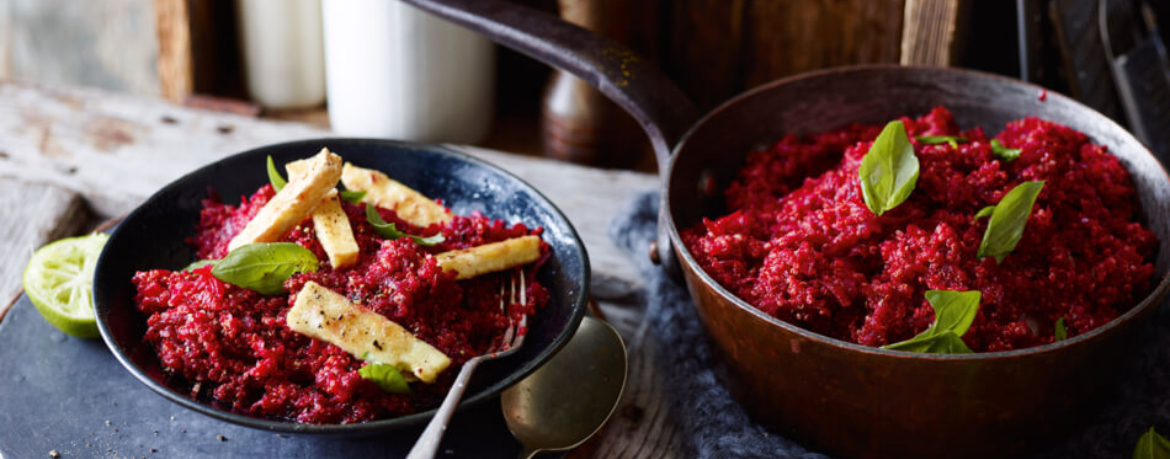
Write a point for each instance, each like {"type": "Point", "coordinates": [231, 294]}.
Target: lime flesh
{"type": "Point", "coordinates": [59, 282]}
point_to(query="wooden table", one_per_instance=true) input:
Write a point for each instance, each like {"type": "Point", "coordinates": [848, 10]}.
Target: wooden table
{"type": "Point", "coordinates": [70, 158]}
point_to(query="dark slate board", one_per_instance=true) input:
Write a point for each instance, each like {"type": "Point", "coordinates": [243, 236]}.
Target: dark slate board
{"type": "Point", "coordinates": [58, 392]}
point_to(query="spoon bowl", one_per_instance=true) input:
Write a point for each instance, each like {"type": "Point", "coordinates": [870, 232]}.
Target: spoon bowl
{"type": "Point", "coordinates": [566, 401]}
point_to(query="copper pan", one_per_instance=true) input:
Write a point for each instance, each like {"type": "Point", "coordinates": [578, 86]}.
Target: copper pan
{"type": "Point", "coordinates": [847, 399]}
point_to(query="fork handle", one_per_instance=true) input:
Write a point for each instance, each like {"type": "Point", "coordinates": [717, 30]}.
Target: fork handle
{"type": "Point", "coordinates": [428, 443]}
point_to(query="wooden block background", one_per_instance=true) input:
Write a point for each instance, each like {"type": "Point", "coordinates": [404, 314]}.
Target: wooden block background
{"type": "Point", "coordinates": [44, 213]}
{"type": "Point", "coordinates": [108, 43]}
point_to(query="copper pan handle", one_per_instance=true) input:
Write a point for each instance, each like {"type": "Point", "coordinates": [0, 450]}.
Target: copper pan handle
{"type": "Point", "coordinates": [636, 85]}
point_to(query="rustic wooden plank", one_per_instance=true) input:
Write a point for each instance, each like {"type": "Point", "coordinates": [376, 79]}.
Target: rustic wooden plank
{"type": "Point", "coordinates": [33, 215]}
{"type": "Point", "coordinates": [930, 33]}
{"type": "Point", "coordinates": [704, 56]}
{"type": "Point", "coordinates": [785, 37]}
{"type": "Point", "coordinates": [642, 426]}
{"type": "Point", "coordinates": [176, 74]}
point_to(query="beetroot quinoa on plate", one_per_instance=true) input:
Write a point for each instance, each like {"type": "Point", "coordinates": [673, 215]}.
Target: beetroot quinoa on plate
{"type": "Point", "coordinates": [231, 346]}
{"type": "Point", "coordinates": [801, 245]}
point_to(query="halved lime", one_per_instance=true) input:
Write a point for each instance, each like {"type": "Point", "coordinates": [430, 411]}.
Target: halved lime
{"type": "Point", "coordinates": [59, 281]}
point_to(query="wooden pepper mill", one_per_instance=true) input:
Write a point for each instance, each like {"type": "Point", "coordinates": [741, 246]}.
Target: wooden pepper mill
{"type": "Point", "coordinates": [578, 123]}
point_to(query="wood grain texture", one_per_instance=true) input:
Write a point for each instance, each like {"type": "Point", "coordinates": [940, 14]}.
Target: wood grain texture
{"type": "Point", "coordinates": [176, 71]}
{"type": "Point", "coordinates": [930, 33]}
{"type": "Point", "coordinates": [705, 53]}
{"type": "Point", "coordinates": [785, 37]}
{"type": "Point", "coordinates": [33, 215]}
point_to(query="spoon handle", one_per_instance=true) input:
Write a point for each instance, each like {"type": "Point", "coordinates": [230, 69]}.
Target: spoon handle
{"type": "Point", "coordinates": [428, 442]}
{"type": "Point", "coordinates": [528, 453]}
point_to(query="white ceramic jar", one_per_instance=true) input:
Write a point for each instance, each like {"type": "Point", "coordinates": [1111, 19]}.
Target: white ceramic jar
{"type": "Point", "coordinates": [283, 56]}
{"type": "Point", "coordinates": [394, 71]}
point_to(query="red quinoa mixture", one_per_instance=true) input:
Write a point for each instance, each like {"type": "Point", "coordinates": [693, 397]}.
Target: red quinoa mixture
{"type": "Point", "coordinates": [232, 345]}
{"type": "Point", "coordinates": [800, 244]}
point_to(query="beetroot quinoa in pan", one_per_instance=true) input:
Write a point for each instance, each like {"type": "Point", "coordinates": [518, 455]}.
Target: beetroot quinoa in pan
{"type": "Point", "coordinates": [232, 345]}
{"type": "Point", "coordinates": [800, 244]}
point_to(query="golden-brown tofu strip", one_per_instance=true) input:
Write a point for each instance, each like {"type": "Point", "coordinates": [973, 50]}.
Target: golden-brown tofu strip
{"type": "Point", "coordinates": [297, 168]}
{"type": "Point", "coordinates": [382, 191]}
{"type": "Point", "coordinates": [489, 258]}
{"type": "Point", "coordinates": [293, 203]}
{"type": "Point", "coordinates": [333, 231]}
{"type": "Point", "coordinates": [328, 316]}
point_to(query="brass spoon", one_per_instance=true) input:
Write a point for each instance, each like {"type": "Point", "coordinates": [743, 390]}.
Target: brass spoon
{"type": "Point", "coordinates": [567, 400]}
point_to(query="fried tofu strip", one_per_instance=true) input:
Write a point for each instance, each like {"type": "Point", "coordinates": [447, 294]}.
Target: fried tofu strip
{"type": "Point", "coordinates": [323, 314]}
{"type": "Point", "coordinates": [489, 258]}
{"type": "Point", "coordinates": [293, 203]}
{"type": "Point", "coordinates": [382, 191]}
{"type": "Point", "coordinates": [333, 231]}
{"type": "Point", "coordinates": [297, 169]}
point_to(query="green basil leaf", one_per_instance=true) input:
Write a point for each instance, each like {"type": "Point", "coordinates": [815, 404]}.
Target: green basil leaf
{"type": "Point", "coordinates": [386, 377]}
{"type": "Point", "coordinates": [199, 264]}
{"type": "Point", "coordinates": [946, 343]}
{"type": "Point", "coordinates": [953, 311]}
{"type": "Point", "coordinates": [274, 176]}
{"type": "Point", "coordinates": [263, 267]}
{"type": "Point", "coordinates": [353, 196]}
{"type": "Point", "coordinates": [985, 212]}
{"type": "Point", "coordinates": [889, 169]}
{"type": "Point", "coordinates": [1002, 152]}
{"type": "Point", "coordinates": [1008, 220]}
{"type": "Point", "coordinates": [1061, 333]}
{"type": "Point", "coordinates": [1152, 446]}
{"type": "Point", "coordinates": [953, 314]}
{"type": "Point", "coordinates": [389, 231]}
{"type": "Point", "coordinates": [937, 139]}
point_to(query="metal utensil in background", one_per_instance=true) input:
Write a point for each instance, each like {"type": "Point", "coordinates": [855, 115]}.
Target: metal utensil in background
{"type": "Point", "coordinates": [1137, 55]}
{"type": "Point", "coordinates": [566, 401]}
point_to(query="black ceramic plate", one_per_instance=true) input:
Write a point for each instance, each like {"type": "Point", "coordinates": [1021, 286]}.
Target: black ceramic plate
{"type": "Point", "coordinates": [153, 236]}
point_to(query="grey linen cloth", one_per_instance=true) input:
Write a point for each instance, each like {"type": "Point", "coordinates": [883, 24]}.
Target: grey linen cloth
{"type": "Point", "coordinates": [716, 427]}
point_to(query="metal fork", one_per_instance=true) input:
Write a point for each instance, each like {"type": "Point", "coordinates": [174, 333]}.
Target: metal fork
{"type": "Point", "coordinates": [428, 443]}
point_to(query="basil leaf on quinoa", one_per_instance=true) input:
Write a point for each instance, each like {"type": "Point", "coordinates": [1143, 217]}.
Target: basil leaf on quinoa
{"type": "Point", "coordinates": [1060, 333]}
{"type": "Point", "coordinates": [1008, 220]}
{"type": "Point", "coordinates": [1151, 446]}
{"type": "Point", "coordinates": [391, 232]}
{"type": "Point", "coordinates": [199, 264]}
{"type": "Point", "coordinates": [889, 170]}
{"type": "Point", "coordinates": [1002, 152]}
{"type": "Point", "coordinates": [388, 378]}
{"type": "Point", "coordinates": [938, 139]}
{"type": "Point", "coordinates": [274, 177]}
{"type": "Point", "coordinates": [985, 212]}
{"type": "Point", "coordinates": [953, 313]}
{"type": "Point", "coordinates": [263, 267]}
{"type": "Point", "coordinates": [353, 196]}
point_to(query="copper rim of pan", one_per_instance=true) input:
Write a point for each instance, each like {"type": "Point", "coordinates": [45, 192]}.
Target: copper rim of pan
{"type": "Point", "coordinates": [1149, 301]}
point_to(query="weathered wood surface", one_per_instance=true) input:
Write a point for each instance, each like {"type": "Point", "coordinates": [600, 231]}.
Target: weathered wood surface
{"type": "Point", "coordinates": [62, 145]}
{"type": "Point", "coordinates": [175, 74]}
{"type": "Point", "coordinates": [33, 215]}
{"type": "Point", "coordinates": [932, 31]}
{"type": "Point", "coordinates": [716, 49]}
{"type": "Point", "coordinates": [107, 43]}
